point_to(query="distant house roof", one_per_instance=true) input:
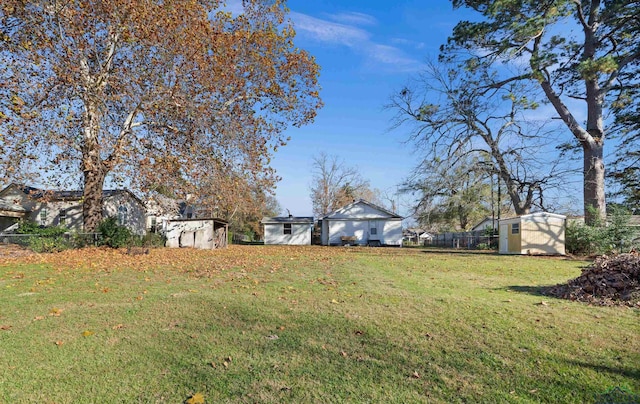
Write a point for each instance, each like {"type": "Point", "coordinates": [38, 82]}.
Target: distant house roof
{"type": "Point", "coordinates": [484, 223]}
{"type": "Point", "coordinates": [362, 201]}
{"type": "Point", "coordinates": [287, 219]}
{"type": "Point", "coordinates": [36, 193]}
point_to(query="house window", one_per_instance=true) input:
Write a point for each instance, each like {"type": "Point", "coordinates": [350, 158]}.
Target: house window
{"type": "Point", "coordinates": [62, 218]}
{"type": "Point", "coordinates": [515, 228]}
{"type": "Point", "coordinates": [287, 228]}
{"type": "Point", "coordinates": [374, 231]}
{"type": "Point", "coordinates": [122, 215]}
{"type": "Point", "coordinates": [43, 216]}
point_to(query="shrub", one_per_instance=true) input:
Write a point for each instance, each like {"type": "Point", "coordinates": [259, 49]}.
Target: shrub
{"type": "Point", "coordinates": [601, 238]}
{"type": "Point", "coordinates": [30, 227]}
{"type": "Point", "coordinates": [153, 240]}
{"type": "Point", "coordinates": [114, 235]}
{"type": "Point", "coordinates": [44, 239]}
{"type": "Point", "coordinates": [48, 244]}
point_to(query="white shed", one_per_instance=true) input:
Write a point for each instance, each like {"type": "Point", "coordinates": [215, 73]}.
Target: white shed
{"type": "Point", "coordinates": [207, 234]}
{"type": "Point", "coordinates": [289, 230]}
{"type": "Point", "coordinates": [540, 233]}
{"type": "Point", "coordinates": [362, 223]}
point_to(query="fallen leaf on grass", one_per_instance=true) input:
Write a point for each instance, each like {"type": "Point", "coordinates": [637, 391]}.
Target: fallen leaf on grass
{"type": "Point", "coordinates": [272, 336]}
{"type": "Point", "coordinates": [38, 318]}
{"type": "Point", "coordinates": [415, 375]}
{"type": "Point", "coordinates": [55, 312]}
{"type": "Point", "coordinates": [197, 398]}
{"type": "Point", "coordinates": [5, 327]}
{"type": "Point", "coordinates": [334, 301]}
{"type": "Point", "coordinates": [117, 327]}
{"type": "Point", "coordinates": [59, 343]}
{"type": "Point", "coordinates": [87, 333]}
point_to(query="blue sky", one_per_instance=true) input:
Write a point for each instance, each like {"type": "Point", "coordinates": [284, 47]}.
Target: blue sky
{"type": "Point", "coordinates": [367, 49]}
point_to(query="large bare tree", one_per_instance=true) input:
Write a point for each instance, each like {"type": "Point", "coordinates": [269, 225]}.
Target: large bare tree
{"type": "Point", "coordinates": [172, 93]}
{"type": "Point", "coordinates": [335, 184]}
{"type": "Point", "coordinates": [454, 117]}
{"type": "Point", "coordinates": [581, 54]}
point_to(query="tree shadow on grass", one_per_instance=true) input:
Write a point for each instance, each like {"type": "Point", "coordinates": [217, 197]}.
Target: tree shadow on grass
{"type": "Point", "coordinates": [621, 371]}
{"type": "Point", "coordinates": [532, 290]}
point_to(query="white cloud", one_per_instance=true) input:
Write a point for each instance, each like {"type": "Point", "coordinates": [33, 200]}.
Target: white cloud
{"type": "Point", "coordinates": [358, 39]}
{"type": "Point", "coordinates": [327, 31]}
{"type": "Point", "coordinates": [391, 56]}
{"type": "Point", "coordinates": [407, 42]}
{"type": "Point", "coordinates": [354, 18]}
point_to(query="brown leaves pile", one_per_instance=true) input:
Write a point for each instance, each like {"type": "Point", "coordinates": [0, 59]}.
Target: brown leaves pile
{"type": "Point", "coordinates": [610, 280]}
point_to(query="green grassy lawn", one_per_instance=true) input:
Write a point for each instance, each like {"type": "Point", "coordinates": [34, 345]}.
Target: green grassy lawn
{"type": "Point", "coordinates": [305, 324]}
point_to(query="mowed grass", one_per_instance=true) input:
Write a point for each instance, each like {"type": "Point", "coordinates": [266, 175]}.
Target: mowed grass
{"type": "Point", "coordinates": [305, 324]}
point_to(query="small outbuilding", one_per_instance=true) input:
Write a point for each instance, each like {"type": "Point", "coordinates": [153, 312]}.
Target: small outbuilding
{"type": "Point", "coordinates": [362, 223]}
{"type": "Point", "coordinates": [540, 233]}
{"type": "Point", "coordinates": [207, 234]}
{"type": "Point", "coordinates": [289, 230]}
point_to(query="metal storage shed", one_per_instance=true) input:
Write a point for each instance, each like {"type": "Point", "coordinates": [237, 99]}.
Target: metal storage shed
{"type": "Point", "coordinates": [540, 233]}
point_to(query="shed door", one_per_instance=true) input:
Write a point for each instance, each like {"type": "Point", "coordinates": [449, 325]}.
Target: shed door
{"type": "Point", "coordinates": [504, 238]}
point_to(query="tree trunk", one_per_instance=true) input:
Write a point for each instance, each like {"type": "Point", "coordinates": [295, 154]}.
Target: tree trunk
{"type": "Point", "coordinates": [92, 199]}
{"type": "Point", "coordinates": [595, 208]}
{"type": "Point", "coordinates": [93, 169]}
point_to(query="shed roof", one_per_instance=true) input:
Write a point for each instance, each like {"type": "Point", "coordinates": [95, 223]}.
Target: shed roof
{"type": "Point", "coordinates": [533, 217]}
{"type": "Point", "coordinates": [287, 219]}
{"type": "Point", "coordinates": [195, 219]}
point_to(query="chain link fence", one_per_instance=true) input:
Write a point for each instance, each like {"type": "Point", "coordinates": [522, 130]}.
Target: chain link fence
{"type": "Point", "coordinates": [467, 240]}
{"type": "Point", "coordinates": [67, 240]}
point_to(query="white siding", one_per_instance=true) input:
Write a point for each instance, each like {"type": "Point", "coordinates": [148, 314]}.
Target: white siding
{"type": "Point", "coordinates": [392, 233]}
{"type": "Point", "coordinates": [300, 234]}
{"type": "Point", "coordinates": [389, 231]}
{"type": "Point", "coordinates": [134, 218]}
{"type": "Point", "coordinates": [340, 228]}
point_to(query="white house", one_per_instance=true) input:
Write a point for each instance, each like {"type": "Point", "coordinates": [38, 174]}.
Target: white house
{"type": "Point", "coordinates": [362, 223]}
{"type": "Point", "coordinates": [488, 223]}
{"type": "Point", "coordinates": [64, 208]}
{"type": "Point", "coordinates": [289, 230]}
